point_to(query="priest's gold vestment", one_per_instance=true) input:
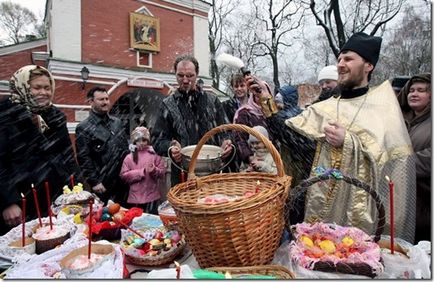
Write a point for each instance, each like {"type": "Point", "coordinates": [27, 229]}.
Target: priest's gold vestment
{"type": "Point", "coordinates": [376, 144]}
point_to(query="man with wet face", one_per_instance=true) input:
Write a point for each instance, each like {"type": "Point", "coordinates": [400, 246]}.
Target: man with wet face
{"type": "Point", "coordinates": [102, 144]}
{"type": "Point", "coordinates": [186, 115]}
{"type": "Point", "coordinates": [361, 133]}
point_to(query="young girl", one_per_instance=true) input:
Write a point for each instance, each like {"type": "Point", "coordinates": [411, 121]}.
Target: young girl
{"type": "Point", "coordinates": [261, 161]}
{"type": "Point", "coordinates": [141, 169]}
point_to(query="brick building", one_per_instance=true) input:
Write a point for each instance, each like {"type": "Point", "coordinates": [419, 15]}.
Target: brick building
{"type": "Point", "coordinates": [102, 36]}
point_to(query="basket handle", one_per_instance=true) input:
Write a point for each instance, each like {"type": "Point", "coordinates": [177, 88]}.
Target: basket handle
{"type": "Point", "coordinates": [237, 127]}
{"type": "Point", "coordinates": [357, 183]}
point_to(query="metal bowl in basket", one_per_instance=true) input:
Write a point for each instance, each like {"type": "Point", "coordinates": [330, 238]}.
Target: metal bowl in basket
{"type": "Point", "coordinates": [209, 160]}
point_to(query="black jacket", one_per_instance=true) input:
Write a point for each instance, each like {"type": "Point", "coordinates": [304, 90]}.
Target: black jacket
{"type": "Point", "coordinates": [26, 157]}
{"type": "Point", "coordinates": [59, 144]}
{"type": "Point", "coordinates": [101, 144]}
{"type": "Point", "coordinates": [184, 121]}
{"type": "Point", "coordinates": [230, 106]}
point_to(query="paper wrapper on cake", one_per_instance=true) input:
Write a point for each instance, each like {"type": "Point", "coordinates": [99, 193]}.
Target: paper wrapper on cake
{"type": "Point", "coordinates": [407, 262]}
{"type": "Point", "coordinates": [76, 263]}
{"type": "Point", "coordinates": [29, 247]}
{"type": "Point", "coordinates": [334, 248]}
{"type": "Point", "coordinates": [47, 239]}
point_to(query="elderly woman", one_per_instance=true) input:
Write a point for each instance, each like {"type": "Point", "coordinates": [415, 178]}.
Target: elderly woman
{"type": "Point", "coordinates": [415, 101]}
{"type": "Point", "coordinates": [35, 144]}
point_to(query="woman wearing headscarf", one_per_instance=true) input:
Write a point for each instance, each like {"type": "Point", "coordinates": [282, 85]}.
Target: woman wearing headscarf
{"type": "Point", "coordinates": [415, 102]}
{"type": "Point", "coordinates": [35, 144]}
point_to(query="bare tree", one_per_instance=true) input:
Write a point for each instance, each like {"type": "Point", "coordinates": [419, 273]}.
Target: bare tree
{"type": "Point", "coordinates": [15, 19]}
{"type": "Point", "coordinates": [216, 27]}
{"type": "Point", "coordinates": [409, 50]}
{"type": "Point", "coordinates": [274, 20]}
{"type": "Point", "coordinates": [340, 22]}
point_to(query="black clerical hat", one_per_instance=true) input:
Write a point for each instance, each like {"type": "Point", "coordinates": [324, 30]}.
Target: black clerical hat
{"type": "Point", "coordinates": [366, 46]}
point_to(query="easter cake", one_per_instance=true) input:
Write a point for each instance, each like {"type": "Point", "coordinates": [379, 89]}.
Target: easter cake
{"type": "Point", "coordinates": [74, 201]}
{"type": "Point", "coordinates": [334, 248]}
{"type": "Point", "coordinates": [47, 238]}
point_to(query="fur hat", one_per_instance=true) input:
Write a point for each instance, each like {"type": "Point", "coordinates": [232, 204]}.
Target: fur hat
{"type": "Point", "coordinates": [140, 132]}
{"type": "Point", "coordinates": [366, 46]}
{"type": "Point", "coordinates": [328, 72]}
{"type": "Point", "coordinates": [259, 129]}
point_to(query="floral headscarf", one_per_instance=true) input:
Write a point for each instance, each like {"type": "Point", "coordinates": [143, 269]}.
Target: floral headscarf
{"type": "Point", "coordinates": [19, 85]}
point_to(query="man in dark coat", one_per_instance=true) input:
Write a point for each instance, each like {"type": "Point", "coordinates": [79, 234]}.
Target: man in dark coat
{"type": "Point", "coordinates": [102, 145]}
{"type": "Point", "coordinates": [186, 115]}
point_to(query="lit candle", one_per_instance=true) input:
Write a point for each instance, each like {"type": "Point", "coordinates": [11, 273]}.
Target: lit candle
{"type": "Point", "coordinates": [38, 211]}
{"type": "Point", "coordinates": [71, 179]}
{"type": "Point", "coordinates": [23, 218]}
{"type": "Point", "coordinates": [392, 224]}
{"type": "Point", "coordinates": [47, 193]}
{"type": "Point", "coordinates": [178, 270]}
{"type": "Point", "coordinates": [89, 250]}
{"type": "Point", "coordinates": [228, 275]}
{"type": "Point", "coordinates": [258, 189]}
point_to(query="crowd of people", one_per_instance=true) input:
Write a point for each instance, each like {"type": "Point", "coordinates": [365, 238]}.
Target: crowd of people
{"type": "Point", "coordinates": [365, 132]}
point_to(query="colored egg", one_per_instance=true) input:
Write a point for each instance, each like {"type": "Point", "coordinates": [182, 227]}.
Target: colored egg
{"type": "Point", "coordinates": [138, 242]}
{"type": "Point", "coordinates": [119, 216]}
{"type": "Point", "coordinates": [154, 242]}
{"type": "Point", "coordinates": [176, 237]}
{"type": "Point", "coordinates": [105, 217]}
{"type": "Point", "coordinates": [114, 208]}
{"type": "Point", "coordinates": [105, 210]}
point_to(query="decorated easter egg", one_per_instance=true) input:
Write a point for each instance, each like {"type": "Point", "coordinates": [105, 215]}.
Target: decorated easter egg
{"type": "Point", "coordinates": [154, 242]}
{"type": "Point", "coordinates": [159, 235]}
{"type": "Point", "coordinates": [105, 217]}
{"type": "Point", "coordinates": [119, 216]}
{"type": "Point", "coordinates": [105, 210]}
{"type": "Point", "coordinates": [138, 242]}
{"type": "Point", "coordinates": [176, 237]}
{"type": "Point", "coordinates": [114, 208]}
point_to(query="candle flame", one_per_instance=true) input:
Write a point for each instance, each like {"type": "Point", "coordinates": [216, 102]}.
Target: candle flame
{"type": "Point", "coordinates": [176, 264]}
{"type": "Point", "coordinates": [228, 275]}
{"type": "Point", "coordinates": [387, 178]}
{"type": "Point", "coordinates": [258, 182]}
{"type": "Point", "coordinates": [22, 195]}
{"type": "Point", "coordinates": [33, 186]}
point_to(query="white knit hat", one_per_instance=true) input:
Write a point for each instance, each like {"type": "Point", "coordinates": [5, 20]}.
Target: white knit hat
{"type": "Point", "coordinates": [328, 72]}
{"type": "Point", "coordinates": [259, 129]}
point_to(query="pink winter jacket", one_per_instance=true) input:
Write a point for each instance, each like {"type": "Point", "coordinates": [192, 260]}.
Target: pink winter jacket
{"type": "Point", "coordinates": [144, 188]}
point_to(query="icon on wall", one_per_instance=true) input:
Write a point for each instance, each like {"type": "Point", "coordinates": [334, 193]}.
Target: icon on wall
{"type": "Point", "coordinates": [144, 32]}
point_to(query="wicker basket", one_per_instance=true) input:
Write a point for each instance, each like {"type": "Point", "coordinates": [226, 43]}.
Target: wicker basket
{"type": "Point", "coordinates": [277, 271]}
{"type": "Point", "coordinates": [349, 268]}
{"type": "Point", "coordinates": [164, 258]}
{"type": "Point", "coordinates": [244, 232]}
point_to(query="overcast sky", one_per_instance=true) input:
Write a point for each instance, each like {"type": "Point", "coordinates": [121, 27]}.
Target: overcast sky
{"type": "Point", "coordinates": [36, 6]}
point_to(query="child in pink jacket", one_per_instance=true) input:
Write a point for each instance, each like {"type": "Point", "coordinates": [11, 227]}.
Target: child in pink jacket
{"type": "Point", "coordinates": [142, 169]}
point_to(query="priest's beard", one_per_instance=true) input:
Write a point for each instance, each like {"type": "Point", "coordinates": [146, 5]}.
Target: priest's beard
{"type": "Point", "coordinates": [354, 80]}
